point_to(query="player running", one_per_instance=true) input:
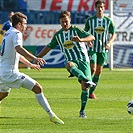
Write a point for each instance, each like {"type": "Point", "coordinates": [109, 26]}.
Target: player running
{"type": "Point", "coordinates": [100, 26]}
{"type": "Point", "coordinates": [12, 52]}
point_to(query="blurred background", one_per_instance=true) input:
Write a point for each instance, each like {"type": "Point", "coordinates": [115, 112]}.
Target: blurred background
{"type": "Point", "coordinates": [43, 23]}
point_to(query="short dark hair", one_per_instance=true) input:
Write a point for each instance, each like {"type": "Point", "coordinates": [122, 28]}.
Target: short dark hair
{"type": "Point", "coordinates": [18, 17]}
{"type": "Point", "coordinates": [63, 14]}
{"type": "Point", "coordinates": [99, 2]}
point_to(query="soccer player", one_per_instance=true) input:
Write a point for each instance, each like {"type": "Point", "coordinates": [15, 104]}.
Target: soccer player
{"type": "Point", "coordinates": [12, 52]}
{"type": "Point", "coordinates": [71, 40]}
{"type": "Point", "coordinates": [101, 27]}
{"type": "Point", "coordinates": [6, 25]}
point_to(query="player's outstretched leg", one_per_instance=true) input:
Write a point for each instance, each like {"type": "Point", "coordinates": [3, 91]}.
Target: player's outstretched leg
{"type": "Point", "coordinates": [44, 103]}
{"type": "Point", "coordinates": [42, 100]}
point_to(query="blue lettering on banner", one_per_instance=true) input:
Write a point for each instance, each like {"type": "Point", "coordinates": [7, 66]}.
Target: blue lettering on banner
{"type": "Point", "coordinates": [123, 56]}
{"type": "Point", "coordinates": [54, 59]}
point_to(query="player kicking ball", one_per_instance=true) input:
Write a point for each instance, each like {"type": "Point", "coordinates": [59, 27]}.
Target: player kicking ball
{"type": "Point", "coordinates": [11, 53]}
{"type": "Point", "coordinates": [71, 40]}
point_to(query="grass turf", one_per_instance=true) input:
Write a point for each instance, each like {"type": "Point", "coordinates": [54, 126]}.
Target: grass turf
{"type": "Point", "coordinates": [20, 112]}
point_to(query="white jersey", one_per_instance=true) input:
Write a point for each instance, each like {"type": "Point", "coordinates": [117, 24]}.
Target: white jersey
{"type": "Point", "coordinates": [10, 77]}
{"type": "Point", "coordinates": [9, 58]}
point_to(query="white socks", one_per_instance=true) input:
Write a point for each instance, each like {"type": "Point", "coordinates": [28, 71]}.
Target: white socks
{"type": "Point", "coordinates": [44, 103]}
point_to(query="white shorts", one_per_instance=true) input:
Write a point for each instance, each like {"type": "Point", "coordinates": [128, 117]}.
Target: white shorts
{"type": "Point", "coordinates": [15, 80]}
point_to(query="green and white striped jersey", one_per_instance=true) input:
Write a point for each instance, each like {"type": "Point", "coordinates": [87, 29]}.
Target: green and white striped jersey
{"type": "Point", "coordinates": [100, 28]}
{"type": "Point", "coordinates": [72, 50]}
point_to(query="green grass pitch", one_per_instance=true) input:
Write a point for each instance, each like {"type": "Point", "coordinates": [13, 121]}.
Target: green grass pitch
{"type": "Point", "coordinates": [20, 112]}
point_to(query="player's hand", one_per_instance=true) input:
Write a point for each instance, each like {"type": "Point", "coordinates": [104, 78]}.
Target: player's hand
{"type": "Point", "coordinates": [35, 66]}
{"type": "Point", "coordinates": [40, 61]}
{"type": "Point", "coordinates": [76, 39]}
{"type": "Point", "coordinates": [90, 44]}
{"type": "Point", "coordinates": [107, 46]}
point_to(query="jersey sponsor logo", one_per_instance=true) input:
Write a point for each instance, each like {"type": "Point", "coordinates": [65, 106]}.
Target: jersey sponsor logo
{"type": "Point", "coordinates": [68, 44]}
{"type": "Point", "coordinates": [99, 30]}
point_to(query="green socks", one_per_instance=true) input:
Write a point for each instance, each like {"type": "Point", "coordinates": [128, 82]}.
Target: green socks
{"type": "Point", "coordinates": [84, 99]}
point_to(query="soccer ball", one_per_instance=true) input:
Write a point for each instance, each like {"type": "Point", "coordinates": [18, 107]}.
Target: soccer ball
{"type": "Point", "coordinates": [130, 107]}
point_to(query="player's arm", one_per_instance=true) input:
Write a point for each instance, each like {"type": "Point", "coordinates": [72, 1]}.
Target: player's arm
{"type": "Point", "coordinates": [112, 39]}
{"type": "Point", "coordinates": [82, 36]}
{"type": "Point", "coordinates": [44, 51]}
{"type": "Point", "coordinates": [86, 39]}
{"type": "Point", "coordinates": [28, 63]}
{"type": "Point", "coordinates": [22, 51]}
{"type": "Point", "coordinates": [112, 31]}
